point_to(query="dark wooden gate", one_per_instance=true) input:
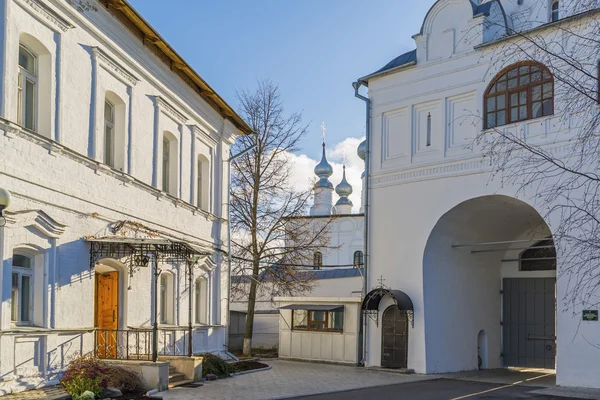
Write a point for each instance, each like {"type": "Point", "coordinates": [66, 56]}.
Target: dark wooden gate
{"type": "Point", "coordinates": [394, 341]}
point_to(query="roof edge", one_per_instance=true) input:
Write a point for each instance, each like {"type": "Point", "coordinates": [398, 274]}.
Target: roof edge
{"type": "Point", "coordinates": [151, 36]}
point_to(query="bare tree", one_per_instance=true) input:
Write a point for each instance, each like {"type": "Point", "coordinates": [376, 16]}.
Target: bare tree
{"type": "Point", "coordinates": [272, 244]}
{"type": "Point", "coordinates": [558, 170]}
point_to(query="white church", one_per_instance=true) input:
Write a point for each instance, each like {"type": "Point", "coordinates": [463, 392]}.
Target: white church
{"type": "Point", "coordinates": [462, 272]}
{"type": "Point", "coordinates": [113, 151]}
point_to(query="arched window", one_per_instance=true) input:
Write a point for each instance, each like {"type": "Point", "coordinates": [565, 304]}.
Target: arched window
{"type": "Point", "coordinates": [27, 89]}
{"type": "Point", "coordinates": [539, 257]}
{"type": "Point", "coordinates": [169, 163]}
{"type": "Point", "coordinates": [318, 260]}
{"type": "Point", "coordinates": [22, 289]}
{"type": "Point", "coordinates": [554, 16]}
{"type": "Point", "coordinates": [109, 133]}
{"type": "Point", "coordinates": [520, 92]}
{"type": "Point", "coordinates": [114, 128]}
{"type": "Point", "coordinates": [200, 292]}
{"type": "Point", "coordinates": [358, 259]}
{"type": "Point", "coordinates": [34, 86]}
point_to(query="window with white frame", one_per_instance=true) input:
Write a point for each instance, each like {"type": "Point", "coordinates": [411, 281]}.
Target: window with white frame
{"type": "Point", "coordinates": [554, 11]}
{"type": "Point", "coordinates": [170, 163]}
{"type": "Point", "coordinates": [109, 134]}
{"type": "Point", "coordinates": [200, 296]}
{"type": "Point", "coordinates": [22, 289]}
{"type": "Point", "coordinates": [27, 89]}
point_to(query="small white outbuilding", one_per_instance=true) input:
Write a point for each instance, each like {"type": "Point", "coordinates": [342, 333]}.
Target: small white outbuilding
{"type": "Point", "coordinates": [319, 328]}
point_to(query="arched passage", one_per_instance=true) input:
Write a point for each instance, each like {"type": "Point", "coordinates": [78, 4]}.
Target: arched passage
{"type": "Point", "coordinates": [472, 253]}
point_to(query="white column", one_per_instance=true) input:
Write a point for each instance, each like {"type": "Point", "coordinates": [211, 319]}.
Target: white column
{"type": "Point", "coordinates": [157, 147]}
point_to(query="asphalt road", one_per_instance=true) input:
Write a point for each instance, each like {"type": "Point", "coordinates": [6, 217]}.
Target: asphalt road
{"type": "Point", "coordinates": [439, 389]}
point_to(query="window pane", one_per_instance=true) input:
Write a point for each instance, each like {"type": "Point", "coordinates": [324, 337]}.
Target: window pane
{"type": "Point", "coordinates": [501, 102]}
{"type": "Point", "coordinates": [491, 120]}
{"type": "Point", "coordinates": [547, 90]}
{"type": "Point", "coordinates": [26, 61]}
{"type": "Point", "coordinates": [21, 261]}
{"type": "Point", "coordinates": [25, 298]}
{"type": "Point", "coordinates": [547, 75]}
{"type": "Point", "coordinates": [524, 70]}
{"type": "Point", "coordinates": [536, 93]}
{"type": "Point", "coordinates": [317, 319]}
{"type": "Point", "coordinates": [299, 319]}
{"type": "Point", "coordinates": [501, 118]}
{"type": "Point", "coordinates": [523, 112]}
{"type": "Point", "coordinates": [523, 97]}
{"type": "Point", "coordinates": [524, 80]}
{"type": "Point", "coordinates": [14, 305]}
{"type": "Point", "coordinates": [29, 104]}
{"type": "Point", "coordinates": [536, 109]}
{"type": "Point", "coordinates": [108, 146]}
{"type": "Point", "coordinates": [536, 77]}
{"type": "Point", "coordinates": [165, 171]}
{"type": "Point", "coordinates": [513, 83]}
{"type": "Point", "coordinates": [512, 73]}
{"type": "Point", "coordinates": [514, 114]}
{"type": "Point", "coordinates": [108, 111]}
{"type": "Point", "coordinates": [491, 104]}
{"type": "Point", "coordinates": [548, 107]}
{"type": "Point", "coordinates": [336, 320]}
{"type": "Point", "coordinates": [514, 99]}
{"type": "Point", "coordinates": [493, 89]}
{"type": "Point", "coordinates": [501, 86]}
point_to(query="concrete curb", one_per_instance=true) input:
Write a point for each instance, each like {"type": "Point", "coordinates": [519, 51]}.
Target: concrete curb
{"type": "Point", "coordinates": [249, 372]}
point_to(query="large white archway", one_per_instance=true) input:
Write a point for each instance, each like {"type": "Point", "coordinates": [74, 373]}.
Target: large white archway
{"type": "Point", "coordinates": [472, 248]}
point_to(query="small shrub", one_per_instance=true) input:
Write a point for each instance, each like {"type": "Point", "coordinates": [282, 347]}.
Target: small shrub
{"type": "Point", "coordinates": [212, 364]}
{"type": "Point", "coordinates": [85, 373]}
{"type": "Point", "coordinates": [126, 380]}
{"type": "Point", "coordinates": [88, 373]}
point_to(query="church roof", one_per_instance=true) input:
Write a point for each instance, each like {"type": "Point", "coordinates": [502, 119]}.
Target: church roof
{"type": "Point", "coordinates": [403, 59]}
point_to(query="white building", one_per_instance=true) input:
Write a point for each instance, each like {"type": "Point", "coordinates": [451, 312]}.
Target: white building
{"type": "Point", "coordinates": [337, 270]}
{"type": "Point", "coordinates": [433, 205]}
{"type": "Point", "coordinates": [113, 148]}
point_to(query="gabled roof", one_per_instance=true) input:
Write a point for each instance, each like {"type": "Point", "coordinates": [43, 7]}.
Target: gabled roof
{"type": "Point", "coordinates": [405, 59]}
{"type": "Point", "coordinates": [131, 19]}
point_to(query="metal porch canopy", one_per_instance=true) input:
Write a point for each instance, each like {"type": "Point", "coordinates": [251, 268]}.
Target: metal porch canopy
{"type": "Point", "coordinates": [313, 307]}
{"type": "Point", "coordinates": [373, 298]}
{"type": "Point", "coordinates": [137, 249]}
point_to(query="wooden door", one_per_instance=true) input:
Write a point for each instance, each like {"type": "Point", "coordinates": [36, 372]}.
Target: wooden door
{"type": "Point", "coordinates": [107, 314]}
{"type": "Point", "coordinates": [394, 341]}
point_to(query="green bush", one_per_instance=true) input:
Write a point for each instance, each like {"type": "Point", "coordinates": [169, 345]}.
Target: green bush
{"type": "Point", "coordinates": [212, 364]}
{"type": "Point", "coordinates": [88, 373]}
{"type": "Point", "coordinates": [85, 373]}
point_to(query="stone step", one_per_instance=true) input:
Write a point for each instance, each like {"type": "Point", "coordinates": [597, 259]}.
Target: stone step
{"type": "Point", "coordinates": [179, 383]}
{"type": "Point", "coordinates": [176, 377]}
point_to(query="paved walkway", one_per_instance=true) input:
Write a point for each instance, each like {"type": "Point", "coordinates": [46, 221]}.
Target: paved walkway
{"type": "Point", "coordinates": [288, 379]}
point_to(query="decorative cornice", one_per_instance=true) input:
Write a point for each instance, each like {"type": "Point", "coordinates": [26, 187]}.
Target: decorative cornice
{"type": "Point", "coordinates": [37, 219]}
{"type": "Point", "coordinates": [201, 134]}
{"type": "Point", "coordinates": [451, 168]}
{"type": "Point", "coordinates": [169, 109]}
{"type": "Point", "coordinates": [45, 14]}
{"type": "Point", "coordinates": [63, 151]}
{"type": "Point", "coordinates": [114, 67]}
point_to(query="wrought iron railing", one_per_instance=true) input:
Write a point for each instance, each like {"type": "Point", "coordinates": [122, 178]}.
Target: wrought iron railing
{"type": "Point", "coordinates": [138, 344]}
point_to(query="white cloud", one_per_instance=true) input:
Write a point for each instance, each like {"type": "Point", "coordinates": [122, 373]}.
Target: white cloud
{"type": "Point", "coordinates": [341, 153]}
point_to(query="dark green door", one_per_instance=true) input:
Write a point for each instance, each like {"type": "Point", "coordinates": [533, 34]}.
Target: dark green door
{"type": "Point", "coordinates": [529, 322]}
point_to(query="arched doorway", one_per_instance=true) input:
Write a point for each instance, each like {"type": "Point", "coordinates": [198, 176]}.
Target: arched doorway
{"type": "Point", "coordinates": [107, 306]}
{"type": "Point", "coordinates": [394, 338]}
{"type": "Point", "coordinates": [485, 269]}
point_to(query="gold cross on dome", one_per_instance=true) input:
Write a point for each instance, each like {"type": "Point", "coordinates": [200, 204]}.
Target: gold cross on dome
{"type": "Point", "coordinates": [323, 129]}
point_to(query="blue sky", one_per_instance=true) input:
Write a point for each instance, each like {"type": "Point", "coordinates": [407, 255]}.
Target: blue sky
{"type": "Point", "coordinates": [313, 49]}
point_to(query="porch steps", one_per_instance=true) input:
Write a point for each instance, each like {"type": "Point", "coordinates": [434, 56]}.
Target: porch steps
{"type": "Point", "coordinates": [176, 378]}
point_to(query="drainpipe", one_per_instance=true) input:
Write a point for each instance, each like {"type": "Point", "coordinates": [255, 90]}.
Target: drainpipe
{"type": "Point", "coordinates": [356, 85]}
{"type": "Point", "coordinates": [229, 160]}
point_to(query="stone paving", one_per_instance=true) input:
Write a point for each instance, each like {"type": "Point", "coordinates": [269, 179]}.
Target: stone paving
{"type": "Point", "coordinates": [48, 393]}
{"type": "Point", "coordinates": [288, 379]}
